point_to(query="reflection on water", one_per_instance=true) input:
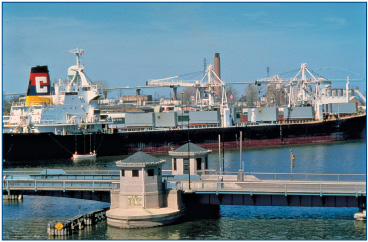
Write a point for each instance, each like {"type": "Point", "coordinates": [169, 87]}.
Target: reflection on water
{"type": "Point", "coordinates": [28, 219]}
{"type": "Point", "coordinates": [330, 158]}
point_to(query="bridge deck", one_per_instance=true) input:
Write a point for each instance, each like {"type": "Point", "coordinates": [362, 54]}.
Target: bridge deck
{"type": "Point", "coordinates": [210, 184]}
{"type": "Point", "coordinates": [275, 187]}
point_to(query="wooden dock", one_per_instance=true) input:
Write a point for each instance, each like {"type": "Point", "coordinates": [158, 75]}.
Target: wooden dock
{"type": "Point", "coordinates": [79, 222]}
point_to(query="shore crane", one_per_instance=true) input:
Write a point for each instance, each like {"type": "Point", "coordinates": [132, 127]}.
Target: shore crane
{"type": "Point", "coordinates": [205, 91]}
{"type": "Point", "coordinates": [299, 88]}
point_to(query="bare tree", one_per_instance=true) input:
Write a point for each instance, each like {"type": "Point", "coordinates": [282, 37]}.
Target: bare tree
{"type": "Point", "coordinates": [7, 103]}
{"type": "Point", "coordinates": [251, 94]}
{"type": "Point", "coordinates": [273, 95]}
{"type": "Point", "coordinates": [189, 96]}
{"type": "Point", "coordinates": [231, 94]}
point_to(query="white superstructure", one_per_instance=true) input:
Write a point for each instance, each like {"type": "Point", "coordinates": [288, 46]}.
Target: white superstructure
{"type": "Point", "coordinates": [71, 106]}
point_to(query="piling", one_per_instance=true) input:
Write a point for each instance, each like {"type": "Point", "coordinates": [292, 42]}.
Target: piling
{"type": "Point", "coordinates": [362, 215]}
{"type": "Point", "coordinates": [79, 222]}
{"type": "Point", "coordinates": [13, 197]}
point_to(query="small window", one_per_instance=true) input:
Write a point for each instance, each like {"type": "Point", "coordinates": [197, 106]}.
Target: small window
{"type": "Point", "coordinates": [150, 172]}
{"type": "Point", "coordinates": [159, 171]}
{"type": "Point", "coordinates": [122, 172]}
{"type": "Point", "coordinates": [135, 173]}
{"type": "Point", "coordinates": [175, 167]}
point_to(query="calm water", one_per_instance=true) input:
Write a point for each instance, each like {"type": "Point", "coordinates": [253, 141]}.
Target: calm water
{"type": "Point", "coordinates": [28, 219]}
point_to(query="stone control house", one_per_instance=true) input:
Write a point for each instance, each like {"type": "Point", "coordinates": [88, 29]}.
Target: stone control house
{"type": "Point", "coordinates": [196, 161]}
{"type": "Point", "coordinates": [142, 200]}
{"type": "Point", "coordinates": [142, 179]}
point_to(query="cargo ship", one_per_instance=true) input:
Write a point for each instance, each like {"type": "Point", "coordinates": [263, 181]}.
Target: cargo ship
{"type": "Point", "coordinates": [55, 122]}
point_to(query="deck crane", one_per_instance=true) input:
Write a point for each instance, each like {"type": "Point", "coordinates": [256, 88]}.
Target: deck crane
{"type": "Point", "coordinates": [205, 94]}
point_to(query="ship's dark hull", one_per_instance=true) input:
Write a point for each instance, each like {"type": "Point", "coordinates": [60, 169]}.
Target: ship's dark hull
{"type": "Point", "coordinates": [50, 146]}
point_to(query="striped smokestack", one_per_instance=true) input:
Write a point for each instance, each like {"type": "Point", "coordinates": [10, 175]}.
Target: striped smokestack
{"type": "Point", "coordinates": [217, 71]}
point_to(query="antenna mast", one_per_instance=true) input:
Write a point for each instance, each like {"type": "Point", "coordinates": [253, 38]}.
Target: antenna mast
{"type": "Point", "coordinates": [78, 52]}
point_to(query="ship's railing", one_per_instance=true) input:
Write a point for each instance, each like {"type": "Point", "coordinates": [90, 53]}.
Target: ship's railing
{"type": "Point", "coordinates": [18, 104]}
{"type": "Point", "coordinates": [47, 122]}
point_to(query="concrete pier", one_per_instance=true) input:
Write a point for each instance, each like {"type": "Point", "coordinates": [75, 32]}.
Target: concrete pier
{"type": "Point", "coordinates": [142, 218]}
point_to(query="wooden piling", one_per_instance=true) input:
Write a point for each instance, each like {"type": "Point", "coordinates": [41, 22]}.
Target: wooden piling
{"type": "Point", "coordinates": [79, 222]}
{"type": "Point", "coordinates": [13, 197]}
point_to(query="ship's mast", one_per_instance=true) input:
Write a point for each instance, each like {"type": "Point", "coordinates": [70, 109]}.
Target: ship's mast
{"type": "Point", "coordinates": [79, 70]}
{"type": "Point", "coordinates": [78, 52]}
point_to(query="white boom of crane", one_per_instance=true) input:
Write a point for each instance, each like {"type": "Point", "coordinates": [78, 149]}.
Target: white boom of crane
{"type": "Point", "coordinates": [205, 95]}
{"type": "Point", "coordinates": [299, 87]}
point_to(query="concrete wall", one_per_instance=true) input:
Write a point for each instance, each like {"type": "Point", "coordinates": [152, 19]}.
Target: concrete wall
{"type": "Point", "coordinates": [114, 200]}
{"type": "Point", "coordinates": [174, 200]}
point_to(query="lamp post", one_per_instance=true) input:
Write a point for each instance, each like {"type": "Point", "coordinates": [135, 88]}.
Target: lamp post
{"type": "Point", "coordinates": [292, 158]}
{"type": "Point", "coordinates": [188, 154]}
{"type": "Point", "coordinates": [182, 117]}
{"type": "Point", "coordinates": [188, 160]}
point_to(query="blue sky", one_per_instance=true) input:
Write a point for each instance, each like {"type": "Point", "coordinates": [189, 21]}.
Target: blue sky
{"type": "Point", "coordinates": [130, 43]}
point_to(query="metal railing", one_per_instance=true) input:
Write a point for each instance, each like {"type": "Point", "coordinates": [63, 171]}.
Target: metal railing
{"type": "Point", "coordinates": [293, 176]}
{"type": "Point", "coordinates": [63, 185]}
{"type": "Point", "coordinates": [279, 187]}
{"type": "Point", "coordinates": [308, 176]}
{"type": "Point", "coordinates": [167, 174]}
{"type": "Point", "coordinates": [267, 183]}
{"type": "Point", "coordinates": [73, 172]}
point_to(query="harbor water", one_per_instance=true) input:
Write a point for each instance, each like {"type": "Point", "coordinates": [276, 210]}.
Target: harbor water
{"type": "Point", "coordinates": [27, 219]}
